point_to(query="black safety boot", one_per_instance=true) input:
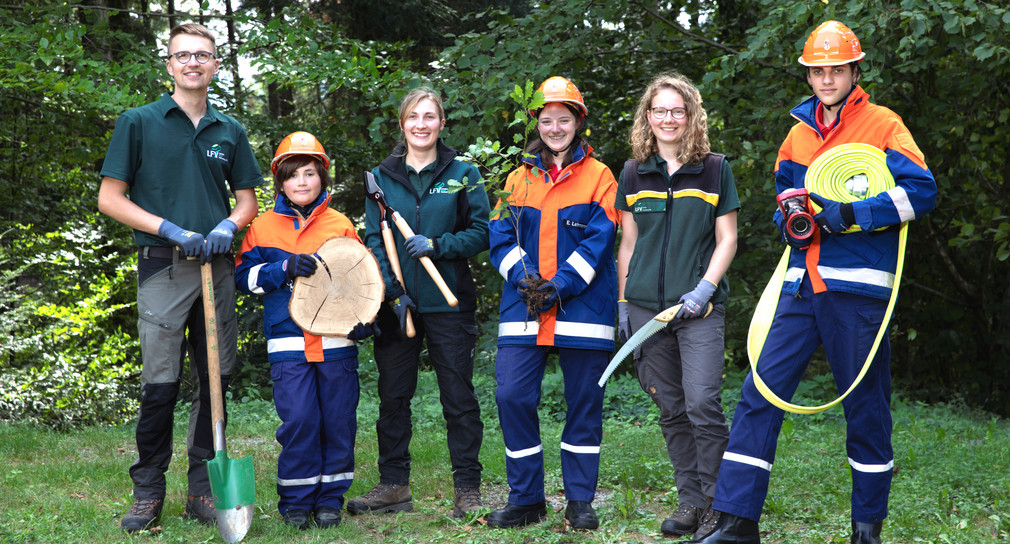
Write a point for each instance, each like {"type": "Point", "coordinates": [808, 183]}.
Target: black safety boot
{"type": "Point", "coordinates": [730, 529]}
{"type": "Point", "coordinates": [866, 533]}
{"type": "Point", "coordinates": [514, 515]}
{"type": "Point", "coordinates": [299, 518]}
{"type": "Point", "coordinates": [327, 516]}
{"type": "Point", "coordinates": [581, 515]}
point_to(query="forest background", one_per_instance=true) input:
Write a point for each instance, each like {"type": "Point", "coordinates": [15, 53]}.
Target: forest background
{"type": "Point", "coordinates": [337, 68]}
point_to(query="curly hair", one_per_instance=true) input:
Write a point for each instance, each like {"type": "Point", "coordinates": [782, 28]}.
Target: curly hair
{"type": "Point", "coordinates": [693, 146]}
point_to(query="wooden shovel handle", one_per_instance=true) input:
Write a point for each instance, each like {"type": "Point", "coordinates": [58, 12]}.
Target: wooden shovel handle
{"type": "Point", "coordinates": [213, 356]}
{"type": "Point", "coordinates": [394, 263]}
{"type": "Point", "coordinates": [407, 232]}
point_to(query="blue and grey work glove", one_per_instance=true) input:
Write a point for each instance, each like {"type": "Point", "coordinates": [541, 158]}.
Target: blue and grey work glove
{"type": "Point", "coordinates": [219, 240]}
{"type": "Point", "coordinates": [190, 242]}
{"type": "Point", "coordinates": [551, 298]}
{"type": "Point", "coordinates": [299, 265]}
{"type": "Point", "coordinates": [695, 301]}
{"type": "Point", "coordinates": [363, 330]}
{"type": "Point", "coordinates": [525, 285]}
{"type": "Point", "coordinates": [835, 217]}
{"type": "Point", "coordinates": [401, 305]}
{"type": "Point", "coordinates": [420, 246]}
{"type": "Point", "coordinates": [623, 321]}
{"type": "Point", "coordinates": [794, 243]}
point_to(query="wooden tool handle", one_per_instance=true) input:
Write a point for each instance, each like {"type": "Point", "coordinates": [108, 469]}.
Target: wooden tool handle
{"type": "Point", "coordinates": [213, 356]}
{"type": "Point", "coordinates": [394, 263]}
{"type": "Point", "coordinates": [407, 232]}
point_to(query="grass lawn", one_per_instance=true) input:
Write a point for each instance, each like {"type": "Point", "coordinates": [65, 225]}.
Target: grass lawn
{"type": "Point", "coordinates": [951, 483]}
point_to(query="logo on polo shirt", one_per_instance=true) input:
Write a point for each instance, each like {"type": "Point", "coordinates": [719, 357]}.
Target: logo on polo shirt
{"type": "Point", "coordinates": [216, 152]}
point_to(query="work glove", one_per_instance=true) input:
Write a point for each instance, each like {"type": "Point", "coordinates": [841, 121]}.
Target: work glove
{"type": "Point", "coordinates": [191, 243]}
{"type": "Point", "coordinates": [623, 321]}
{"type": "Point", "coordinates": [835, 217]}
{"type": "Point", "coordinates": [420, 246]}
{"type": "Point", "coordinates": [363, 330]}
{"type": "Point", "coordinates": [401, 305]}
{"type": "Point", "coordinates": [299, 265]}
{"type": "Point", "coordinates": [695, 301]}
{"type": "Point", "coordinates": [525, 284]}
{"type": "Point", "coordinates": [219, 240]}
{"type": "Point", "coordinates": [793, 242]}
{"type": "Point", "coordinates": [551, 299]}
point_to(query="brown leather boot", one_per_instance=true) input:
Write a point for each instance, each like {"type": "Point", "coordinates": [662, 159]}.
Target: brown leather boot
{"type": "Point", "coordinates": [383, 498]}
{"type": "Point", "coordinates": [467, 499]}
{"type": "Point", "coordinates": [683, 520]}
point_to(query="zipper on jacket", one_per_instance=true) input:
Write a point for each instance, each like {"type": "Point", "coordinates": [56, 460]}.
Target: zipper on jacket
{"type": "Point", "coordinates": [666, 244]}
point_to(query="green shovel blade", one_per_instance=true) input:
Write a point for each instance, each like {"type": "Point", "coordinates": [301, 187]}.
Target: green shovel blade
{"type": "Point", "coordinates": [233, 483]}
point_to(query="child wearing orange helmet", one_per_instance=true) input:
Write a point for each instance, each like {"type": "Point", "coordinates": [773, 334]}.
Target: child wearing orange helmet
{"type": "Point", "coordinates": [315, 377]}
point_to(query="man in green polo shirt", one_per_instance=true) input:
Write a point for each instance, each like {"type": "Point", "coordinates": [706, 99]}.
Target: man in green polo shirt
{"type": "Point", "coordinates": [168, 173]}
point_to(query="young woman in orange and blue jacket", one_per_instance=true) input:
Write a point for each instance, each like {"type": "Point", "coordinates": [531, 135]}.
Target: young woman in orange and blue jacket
{"type": "Point", "coordinates": [560, 226]}
{"type": "Point", "coordinates": [315, 377]}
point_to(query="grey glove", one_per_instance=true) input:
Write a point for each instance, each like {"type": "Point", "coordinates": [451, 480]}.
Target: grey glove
{"type": "Point", "coordinates": [694, 302]}
{"type": "Point", "coordinates": [623, 321]}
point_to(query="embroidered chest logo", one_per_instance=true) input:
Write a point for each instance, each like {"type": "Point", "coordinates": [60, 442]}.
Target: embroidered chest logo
{"type": "Point", "coordinates": [439, 188]}
{"type": "Point", "coordinates": [217, 152]}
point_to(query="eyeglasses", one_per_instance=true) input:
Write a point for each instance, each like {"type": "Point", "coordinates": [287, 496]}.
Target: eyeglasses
{"type": "Point", "coordinates": [201, 56]}
{"type": "Point", "coordinates": [660, 113]}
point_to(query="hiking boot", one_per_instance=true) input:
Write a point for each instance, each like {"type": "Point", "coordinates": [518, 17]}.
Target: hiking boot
{"type": "Point", "coordinates": [467, 500]}
{"type": "Point", "coordinates": [727, 529]}
{"type": "Point", "coordinates": [143, 513]}
{"type": "Point", "coordinates": [514, 515]}
{"type": "Point", "coordinates": [383, 498]}
{"type": "Point", "coordinates": [581, 515]}
{"type": "Point", "coordinates": [865, 533]}
{"type": "Point", "coordinates": [201, 508]}
{"type": "Point", "coordinates": [683, 520]}
{"type": "Point", "coordinates": [327, 516]}
{"type": "Point", "coordinates": [297, 517]}
{"type": "Point", "coordinates": [707, 521]}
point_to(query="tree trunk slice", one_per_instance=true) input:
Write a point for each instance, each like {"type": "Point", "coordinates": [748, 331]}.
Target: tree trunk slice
{"type": "Point", "coordinates": [346, 289]}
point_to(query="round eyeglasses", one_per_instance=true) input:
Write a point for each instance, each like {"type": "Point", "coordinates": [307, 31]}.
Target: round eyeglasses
{"type": "Point", "coordinates": [660, 113]}
{"type": "Point", "coordinates": [201, 56]}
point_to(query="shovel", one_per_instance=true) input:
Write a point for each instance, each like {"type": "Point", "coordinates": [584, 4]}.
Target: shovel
{"type": "Point", "coordinates": [231, 481]}
{"type": "Point", "coordinates": [374, 192]}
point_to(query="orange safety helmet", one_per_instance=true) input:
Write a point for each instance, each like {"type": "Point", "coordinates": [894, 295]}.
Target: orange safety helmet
{"type": "Point", "coordinates": [831, 44]}
{"type": "Point", "coordinates": [299, 143]}
{"type": "Point", "coordinates": [559, 89]}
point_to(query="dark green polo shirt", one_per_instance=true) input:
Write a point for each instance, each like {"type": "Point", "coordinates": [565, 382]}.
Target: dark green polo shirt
{"type": "Point", "coordinates": [420, 180]}
{"type": "Point", "coordinates": [177, 171]}
{"type": "Point", "coordinates": [675, 216]}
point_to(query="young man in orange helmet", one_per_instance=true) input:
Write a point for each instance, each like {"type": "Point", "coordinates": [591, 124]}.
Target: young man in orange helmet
{"type": "Point", "coordinates": [835, 293]}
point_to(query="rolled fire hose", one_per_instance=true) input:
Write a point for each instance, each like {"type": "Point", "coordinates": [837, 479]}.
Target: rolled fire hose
{"type": "Point", "coordinates": [846, 173]}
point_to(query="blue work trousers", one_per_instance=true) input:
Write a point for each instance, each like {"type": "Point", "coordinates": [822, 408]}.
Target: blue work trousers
{"type": "Point", "coordinates": [519, 371]}
{"type": "Point", "coordinates": [846, 324]}
{"type": "Point", "coordinates": [317, 405]}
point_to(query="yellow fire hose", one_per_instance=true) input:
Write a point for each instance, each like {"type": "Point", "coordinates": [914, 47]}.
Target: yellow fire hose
{"type": "Point", "coordinates": [846, 173]}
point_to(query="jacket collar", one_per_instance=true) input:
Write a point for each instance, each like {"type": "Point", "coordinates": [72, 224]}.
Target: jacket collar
{"type": "Point", "coordinates": [167, 104]}
{"type": "Point", "coordinates": [805, 112]}
{"type": "Point", "coordinates": [394, 167]}
{"type": "Point", "coordinates": [322, 202]}
{"type": "Point", "coordinates": [655, 164]}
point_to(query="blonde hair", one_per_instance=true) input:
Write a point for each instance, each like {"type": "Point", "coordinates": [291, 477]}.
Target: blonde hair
{"type": "Point", "coordinates": [410, 101]}
{"type": "Point", "coordinates": [694, 144]}
{"type": "Point", "coordinates": [195, 30]}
